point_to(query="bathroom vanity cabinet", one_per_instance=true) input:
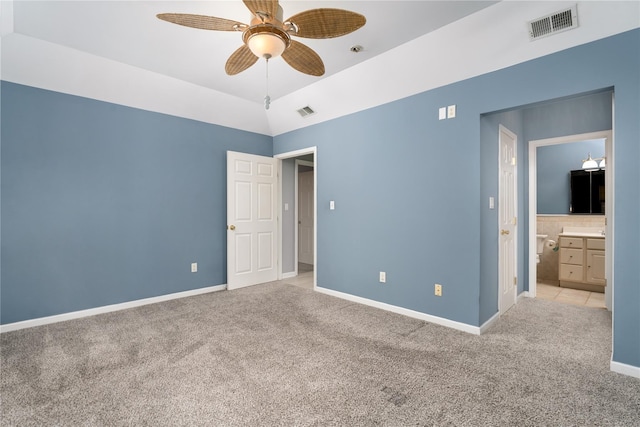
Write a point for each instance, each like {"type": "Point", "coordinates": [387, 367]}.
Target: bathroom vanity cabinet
{"type": "Point", "coordinates": [582, 262]}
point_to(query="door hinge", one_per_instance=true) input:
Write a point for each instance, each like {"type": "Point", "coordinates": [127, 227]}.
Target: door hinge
{"type": "Point", "coordinates": [514, 221]}
{"type": "Point", "coordinates": [513, 161]}
{"type": "Point", "coordinates": [515, 281]}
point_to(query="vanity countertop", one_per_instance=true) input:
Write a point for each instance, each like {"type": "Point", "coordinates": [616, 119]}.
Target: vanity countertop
{"type": "Point", "coordinates": [578, 234]}
{"type": "Point", "coordinates": [591, 232]}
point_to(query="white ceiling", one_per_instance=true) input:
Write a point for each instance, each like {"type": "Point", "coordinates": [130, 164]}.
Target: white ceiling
{"type": "Point", "coordinates": [130, 33]}
{"type": "Point", "coordinates": [118, 51]}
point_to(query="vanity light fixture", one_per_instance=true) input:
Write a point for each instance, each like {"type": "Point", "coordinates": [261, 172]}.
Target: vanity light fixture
{"type": "Point", "coordinates": [590, 164]}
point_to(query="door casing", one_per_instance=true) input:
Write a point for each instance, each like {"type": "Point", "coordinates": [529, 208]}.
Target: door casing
{"type": "Point", "coordinates": [288, 155]}
{"type": "Point", "coordinates": [609, 205]}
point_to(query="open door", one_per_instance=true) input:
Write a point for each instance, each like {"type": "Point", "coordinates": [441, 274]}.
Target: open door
{"type": "Point", "coordinates": [507, 218]}
{"type": "Point", "coordinates": [251, 220]}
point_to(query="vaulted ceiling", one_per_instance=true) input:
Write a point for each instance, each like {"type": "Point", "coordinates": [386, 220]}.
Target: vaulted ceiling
{"type": "Point", "coordinates": [118, 51]}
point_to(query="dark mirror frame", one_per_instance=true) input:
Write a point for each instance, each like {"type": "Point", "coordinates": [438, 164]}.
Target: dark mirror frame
{"type": "Point", "coordinates": [587, 192]}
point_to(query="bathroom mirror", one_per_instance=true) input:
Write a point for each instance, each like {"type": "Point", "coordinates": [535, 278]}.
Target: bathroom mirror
{"type": "Point", "coordinates": [587, 192]}
{"type": "Point", "coordinates": [554, 164]}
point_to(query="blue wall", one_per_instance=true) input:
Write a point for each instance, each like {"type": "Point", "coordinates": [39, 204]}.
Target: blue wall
{"type": "Point", "coordinates": [390, 204]}
{"type": "Point", "coordinates": [103, 204]}
{"type": "Point", "coordinates": [554, 164]}
{"type": "Point", "coordinates": [411, 192]}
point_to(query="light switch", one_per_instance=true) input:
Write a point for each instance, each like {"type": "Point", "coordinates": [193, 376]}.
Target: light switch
{"type": "Point", "coordinates": [286, 206]}
{"type": "Point", "coordinates": [332, 205]}
{"type": "Point", "coordinates": [492, 203]}
{"type": "Point", "coordinates": [442, 113]}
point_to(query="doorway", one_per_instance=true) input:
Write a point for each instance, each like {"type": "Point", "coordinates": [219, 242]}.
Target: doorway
{"type": "Point", "coordinates": [300, 225]}
{"type": "Point", "coordinates": [607, 136]}
{"type": "Point", "coordinates": [305, 214]}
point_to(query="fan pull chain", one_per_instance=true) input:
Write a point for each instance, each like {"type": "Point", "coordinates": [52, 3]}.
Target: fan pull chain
{"type": "Point", "coordinates": [267, 99]}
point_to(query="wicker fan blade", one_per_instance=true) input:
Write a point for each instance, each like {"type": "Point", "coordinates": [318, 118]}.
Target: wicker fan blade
{"type": "Point", "coordinates": [240, 60]}
{"type": "Point", "coordinates": [263, 7]}
{"type": "Point", "coordinates": [303, 59]}
{"type": "Point", "coordinates": [326, 23]}
{"type": "Point", "coordinates": [202, 22]}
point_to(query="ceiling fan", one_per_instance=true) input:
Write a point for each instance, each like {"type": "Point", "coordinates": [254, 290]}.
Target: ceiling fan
{"type": "Point", "coordinates": [269, 36]}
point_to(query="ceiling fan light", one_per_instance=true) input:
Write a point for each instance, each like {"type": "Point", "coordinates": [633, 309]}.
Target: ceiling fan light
{"type": "Point", "coordinates": [266, 43]}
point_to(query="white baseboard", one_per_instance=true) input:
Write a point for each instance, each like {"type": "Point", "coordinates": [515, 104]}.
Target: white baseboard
{"type": "Point", "coordinates": [486, 325]}
{"type": "Point", "coordinates": [404, 311]}
{"type": "Point", "coordinates": [289, 275]}
{"type": "Point", "coordinates": [106, 309]}
{"type": "Point", "coordinates": [624, 369]}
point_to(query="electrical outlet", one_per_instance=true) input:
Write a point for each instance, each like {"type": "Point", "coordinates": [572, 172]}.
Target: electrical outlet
{"type": "Point", "coordinates": [383, 277]}
{"type": "Point", "coordinates": [194, 267]}
{"type": "Point", "coordinates": [451, 111]}
{"type": "Point", "coordinates": [438, 290]}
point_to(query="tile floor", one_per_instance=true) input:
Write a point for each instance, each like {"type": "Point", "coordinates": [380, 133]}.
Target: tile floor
{"type": "Point", "coordinates": [570, 296]}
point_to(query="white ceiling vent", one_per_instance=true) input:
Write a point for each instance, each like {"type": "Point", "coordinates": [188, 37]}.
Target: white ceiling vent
{"type": "Point", "coordinates": [306, 111]}
{"type": "Point", "coordinates": [562, 20]}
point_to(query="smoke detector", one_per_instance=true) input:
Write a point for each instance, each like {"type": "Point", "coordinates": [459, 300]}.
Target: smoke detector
{"type": "Point", "coordinates": [554, 23]}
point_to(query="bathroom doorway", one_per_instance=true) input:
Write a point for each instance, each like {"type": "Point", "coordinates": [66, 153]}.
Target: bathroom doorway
{"type": "Point", "coordinates": [550, 213]}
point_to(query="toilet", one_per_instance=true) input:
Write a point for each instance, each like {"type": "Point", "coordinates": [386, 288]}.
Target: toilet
{"type": "Point", "coordinates": [540, 245]}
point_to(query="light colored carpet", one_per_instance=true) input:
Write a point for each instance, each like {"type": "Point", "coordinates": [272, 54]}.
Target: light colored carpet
{"type": "Point", "coordinates": [277, 354]}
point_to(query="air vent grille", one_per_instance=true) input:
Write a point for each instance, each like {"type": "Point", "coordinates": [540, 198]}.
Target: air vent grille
{"type": "Point", "coordinates": [306, 111]}
{"type": "Point", "coordinates": [551, 24]}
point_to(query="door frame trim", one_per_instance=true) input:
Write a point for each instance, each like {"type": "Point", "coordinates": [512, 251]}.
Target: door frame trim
{"type": "Point", "coordinates": [609, 204]}
{"type": "Point", "coordinates": [288, 155]}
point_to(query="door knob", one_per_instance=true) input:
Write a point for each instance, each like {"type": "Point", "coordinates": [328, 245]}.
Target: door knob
{"type": "Point", "coordinates": [503, 232]}
{"type": "Point", "coordinates": [232, 227]}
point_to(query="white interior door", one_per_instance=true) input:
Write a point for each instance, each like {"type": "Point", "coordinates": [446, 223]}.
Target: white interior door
{"type": "Point", "coordinates": [507, 218]}
{"type": "Point", "coordinates": [251, 220]}
{"type": "Point", "coordinates": [305, 217]}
